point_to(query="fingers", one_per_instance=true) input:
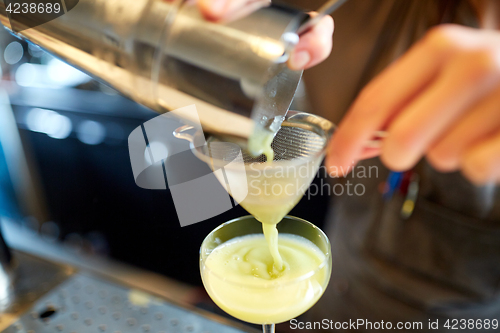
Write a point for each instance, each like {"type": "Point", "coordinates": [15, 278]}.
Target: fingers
{"type": "Point", "coordinates": [439, 100]}
{"type": "Point", "coordinates": [382, 99]}
{"type": "Point", "coordinates": [479, 123]}
{"type": "Point", "coordinates": [227, 10]}
{"type": "Point", "coordinates": [463, 82]}
{"type": "Point", "coordinates": [481, 163]}
{"type": "Point", "coordinates": [314, 46]}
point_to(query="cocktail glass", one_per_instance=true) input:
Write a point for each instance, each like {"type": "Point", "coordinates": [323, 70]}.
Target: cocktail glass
{"type": "Point", "coordinates": [273, 301]}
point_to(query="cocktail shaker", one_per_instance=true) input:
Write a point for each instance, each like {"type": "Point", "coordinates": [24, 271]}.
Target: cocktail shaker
{"type": "Point", "coordinates": [165, 55]}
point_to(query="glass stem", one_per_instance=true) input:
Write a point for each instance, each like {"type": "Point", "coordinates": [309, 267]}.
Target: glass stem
{"type": "Point", "coordinates": [268, 328]}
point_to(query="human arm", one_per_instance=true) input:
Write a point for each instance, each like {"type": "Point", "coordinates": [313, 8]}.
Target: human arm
{"type": "Point", "coordinates": [440, 100]}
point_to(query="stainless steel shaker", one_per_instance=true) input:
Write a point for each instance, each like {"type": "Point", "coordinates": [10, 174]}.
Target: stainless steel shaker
{"type": "Point", "coordinates": [164, 55]}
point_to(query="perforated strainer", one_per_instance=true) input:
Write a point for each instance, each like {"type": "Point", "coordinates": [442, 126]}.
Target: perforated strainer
{"type": "Point", "coordinates": [302, 136]}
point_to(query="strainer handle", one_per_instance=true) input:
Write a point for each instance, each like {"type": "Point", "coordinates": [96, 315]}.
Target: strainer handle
{"type": "Point", "coordinates": [327, 8]}
{"type": "Point", "coordinates": [180, 133]}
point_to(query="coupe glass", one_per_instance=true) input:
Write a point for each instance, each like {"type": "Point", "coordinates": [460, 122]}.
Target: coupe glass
{"type": "Point", "coordinates": [273, 302]}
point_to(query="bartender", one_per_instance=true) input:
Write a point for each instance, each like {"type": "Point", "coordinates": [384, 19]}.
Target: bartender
{"type": "Point", "coordinates": [427, 73]}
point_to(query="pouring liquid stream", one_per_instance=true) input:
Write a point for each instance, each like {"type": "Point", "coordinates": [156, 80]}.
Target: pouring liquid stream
{"type": "Point", "coordinates": [260, 143]}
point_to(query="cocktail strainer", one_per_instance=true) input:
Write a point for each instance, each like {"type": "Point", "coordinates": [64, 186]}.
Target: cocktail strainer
{"type": "Point", "coordinates": [302, 136]}
{"type": "Point", "coordinates": [267, 190]}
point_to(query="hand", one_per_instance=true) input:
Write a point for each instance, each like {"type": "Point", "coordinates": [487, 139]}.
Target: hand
{"type": "Point", "coordinates": [313, 47]}
{"type": "Point", "coordinates": [440, 100]}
